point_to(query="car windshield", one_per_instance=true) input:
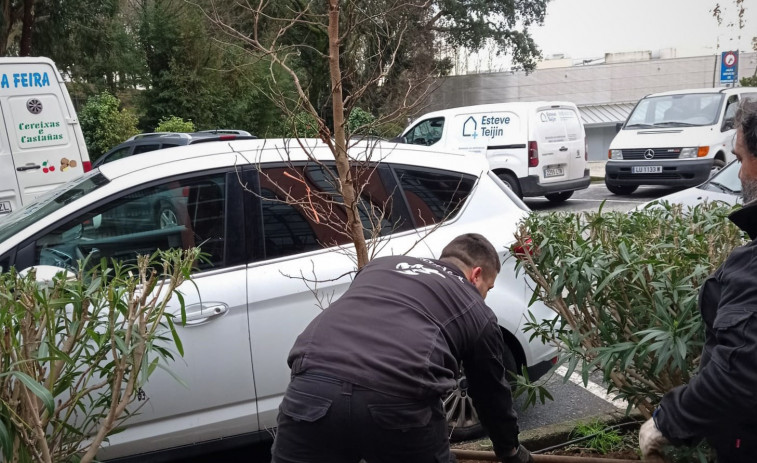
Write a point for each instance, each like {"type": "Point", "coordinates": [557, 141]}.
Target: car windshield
{"type": "Point", "coordinates": [50, 202]}
{"type": "Point", "coordinates": [685, 110]}
{"type": "Point", "coordinates": [726, 180]}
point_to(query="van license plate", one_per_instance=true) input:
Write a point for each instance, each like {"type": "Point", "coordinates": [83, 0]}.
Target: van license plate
{"type": "Point", "coordinates": [646, 169]}
{"type": "Point", "coordinates": [5, 207]}
{"type": "Point", "coordinates": [553, 172]}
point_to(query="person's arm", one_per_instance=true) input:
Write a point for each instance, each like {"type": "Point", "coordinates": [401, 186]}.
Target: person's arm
{"type": "Point", "coordinates": [724, 387]}
{"type": "Point", "coordinates": [490, 391]}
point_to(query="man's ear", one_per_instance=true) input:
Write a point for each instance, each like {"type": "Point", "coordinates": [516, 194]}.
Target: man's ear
{"type": "Point", "coordinates": [475, 274]}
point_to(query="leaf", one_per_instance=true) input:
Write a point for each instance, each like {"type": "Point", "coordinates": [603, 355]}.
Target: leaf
{"type": "Point", "coordinates": [175, 335]}
{"type": "Point", "coordinates": [36, 388]}
{"type": "Point", "coordinates": [6, 443]}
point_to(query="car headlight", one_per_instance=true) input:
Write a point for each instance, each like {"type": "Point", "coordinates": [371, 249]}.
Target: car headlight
{"type": "Point", "coordinates": [616, 154]}
{"type": "Point", "coordinates": [688, 152]}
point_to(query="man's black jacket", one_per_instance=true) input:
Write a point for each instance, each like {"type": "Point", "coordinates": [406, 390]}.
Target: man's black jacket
{"type": "Point", "coordinates": [401, 329]}
{"type": "Point", "coordinates": [720, 402]}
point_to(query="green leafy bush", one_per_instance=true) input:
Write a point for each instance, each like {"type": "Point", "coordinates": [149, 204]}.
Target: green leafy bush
{"type": "Point", "coordinates": [625, 287]}
{"type": "Point", "coordinates": [175, 124]}
{"type": "Point", "coordinates": [75, 351]}
{"type": "Point", "coordinates": [104, 125]}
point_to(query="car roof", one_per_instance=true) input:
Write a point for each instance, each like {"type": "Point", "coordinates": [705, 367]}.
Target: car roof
{"type": "Point", "coordinates": [257, 151]}
{"type": "Point", "coordinates": [491, 107]}
{"type": "Point", "coordinates": [726, 90]}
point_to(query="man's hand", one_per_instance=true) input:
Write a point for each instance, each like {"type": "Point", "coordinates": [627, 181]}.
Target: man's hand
{"type": "Point", "coordinates": [521, 455]}
{"type": "Point", "coordinates": [651, 441]}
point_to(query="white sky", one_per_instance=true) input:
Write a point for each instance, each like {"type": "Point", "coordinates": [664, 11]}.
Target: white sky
{"type": "Point", "coordinates": [583, 29]}
{"type": "Point", "coordinates": [590, 28]}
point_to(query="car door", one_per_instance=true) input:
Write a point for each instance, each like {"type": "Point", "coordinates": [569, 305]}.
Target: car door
{"type": "Point", "coordinates": [303, 261]}
{"type": "Point", "coordinates": [217, 399]}
{"type": "Point", "coordinates": [9, 199]}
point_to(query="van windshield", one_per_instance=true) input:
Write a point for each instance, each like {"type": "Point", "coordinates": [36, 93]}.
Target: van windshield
{"type": "Point", "coordinates": [50, 202]}
{"type": "Point", "coordinates": [684, 110]}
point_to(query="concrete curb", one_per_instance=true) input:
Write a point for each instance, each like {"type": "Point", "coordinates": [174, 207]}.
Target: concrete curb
{"type": "Point", "coordinates": [554, 434]}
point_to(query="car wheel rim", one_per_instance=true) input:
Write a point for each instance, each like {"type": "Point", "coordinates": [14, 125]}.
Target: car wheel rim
{"type": "Point", "coordinates": [459, 410]}
{"type": "Point", "coordinates": [168, 218]}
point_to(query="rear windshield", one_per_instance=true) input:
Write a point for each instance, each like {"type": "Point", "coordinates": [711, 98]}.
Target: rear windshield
{"type": "Point", "coordinates": [684, 110]}
{"type": "Point", "coordinates": [50, 202]}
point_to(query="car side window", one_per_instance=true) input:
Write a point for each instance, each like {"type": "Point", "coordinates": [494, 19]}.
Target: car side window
{"type": "Point", "coordinates": [176, 214]}
{"type": "Point", "coordinates": [426, 133]}
{"type": "Point", "coordinates": [118, 154]}
{"type": "Point", "coordinates": [432, 195]}
{"type": "Point", "coordinates": [302, 210]}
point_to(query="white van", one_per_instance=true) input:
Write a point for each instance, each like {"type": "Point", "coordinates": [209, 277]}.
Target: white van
{"type": "Point", "coordinates": [536, 148]}
{"type": "Point", "coordinates": [674, 138]}
{"type": "Point", "coordinates": [41, 144]}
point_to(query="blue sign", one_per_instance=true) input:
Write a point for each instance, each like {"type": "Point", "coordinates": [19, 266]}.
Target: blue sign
{"type": "Point", "coordinates": [729, 67]}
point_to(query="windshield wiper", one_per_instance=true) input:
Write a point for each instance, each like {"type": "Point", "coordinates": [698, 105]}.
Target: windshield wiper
{"type": "Point", "coordinates": [724, 188]}
{"type": "Point", "coordinates": [639, 126]}
{"type": "Point", "coordinates": [675, 124]}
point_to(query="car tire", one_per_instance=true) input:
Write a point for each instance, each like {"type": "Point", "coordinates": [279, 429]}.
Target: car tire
{"type": "Point", "coordinates": [511, 182]}
{"type": "Point", "coordinates": [167, 216]}
{"type": "Point", "coordinates": [462, 419]}
{"type": "Point", "coordinates": [621, 189]}
{"type": "Point", "coordinates": [559, 197]}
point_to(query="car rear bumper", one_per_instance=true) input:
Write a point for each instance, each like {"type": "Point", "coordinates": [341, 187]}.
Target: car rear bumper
{"type": "Point", "coordinates": [674, 172]}
{"type": "Point", "coordinates": [530, 186]}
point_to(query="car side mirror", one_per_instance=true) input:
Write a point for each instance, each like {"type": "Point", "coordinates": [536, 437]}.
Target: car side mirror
{"type": "Point", "coordinates": [727, 125]}
{"type": "Point", "coordinates": [398, 139]}
{"type": "Point", "coordinates": [618, 126]}
{"type": "Point", "coordinates": [45, 273]}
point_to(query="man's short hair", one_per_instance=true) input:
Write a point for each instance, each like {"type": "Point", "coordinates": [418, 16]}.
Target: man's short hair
{"type": "Point", "coordinates": [746, 120]}
{"type": "Point", "coordinates": [473, 250]}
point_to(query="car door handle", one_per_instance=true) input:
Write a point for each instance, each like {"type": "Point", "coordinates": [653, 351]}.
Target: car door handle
{"type": "Point", "coordinates": [198, 314]}
{"type": "Point", "coordinates": [564, 148]}
{"type": "Point", "coordinates": [28, 167]}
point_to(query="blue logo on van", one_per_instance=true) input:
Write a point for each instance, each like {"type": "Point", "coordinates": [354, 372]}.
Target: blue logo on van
{"type": "Point", "coordinates": [469, 128]}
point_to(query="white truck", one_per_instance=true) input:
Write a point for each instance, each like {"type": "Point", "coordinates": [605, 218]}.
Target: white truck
{"type": "Point", "coordinates": [41, 144]}
{"type": "Point", "coordinates": [536, 148]}
{"type": "Point", "coordinates": [676, 138]}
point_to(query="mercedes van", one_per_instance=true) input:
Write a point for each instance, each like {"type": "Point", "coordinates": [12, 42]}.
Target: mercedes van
{"type": "Point", "coordinates": [676, 138]}
{"type": "Point", "coordinates": [535, 148]}
{"type": "Point", "coordinates": [41, 144]}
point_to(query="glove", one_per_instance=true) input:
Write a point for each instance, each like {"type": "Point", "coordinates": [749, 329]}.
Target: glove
{"type": "Point", "coordinates": [651, 441]}
{"type": "Point", "coordinates": [521, 456]}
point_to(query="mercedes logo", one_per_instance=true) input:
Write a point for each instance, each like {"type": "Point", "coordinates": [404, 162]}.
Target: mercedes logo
{"type": "Point", "coordinates": [34, 106]}
{"type": "Point", "coordinates": [649, 154]}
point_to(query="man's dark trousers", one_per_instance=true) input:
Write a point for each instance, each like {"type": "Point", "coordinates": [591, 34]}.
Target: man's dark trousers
{"type": "Point", "coordinates": [322, 419]}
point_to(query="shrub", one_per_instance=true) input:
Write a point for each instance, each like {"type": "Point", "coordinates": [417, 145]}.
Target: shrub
{"type": "Point", "coordinates": [625, 287]}
{"type": "Point", "coordinates": [104, 125]}
{"type": "Point", "coordinates": [76, 351]}
{"type": "Point", "coordinates": [175, 124]}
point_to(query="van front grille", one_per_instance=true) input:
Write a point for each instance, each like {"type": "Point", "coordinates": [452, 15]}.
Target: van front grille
{"type": "Point", "coordinates": [638, 154]}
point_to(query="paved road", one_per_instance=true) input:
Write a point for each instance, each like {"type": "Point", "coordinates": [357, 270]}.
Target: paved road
{"type": "Point", "coordinates": [571, 400]}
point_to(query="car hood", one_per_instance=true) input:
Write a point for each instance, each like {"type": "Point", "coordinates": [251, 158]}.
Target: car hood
{"type": "Point", "coordinates": [691, 197]}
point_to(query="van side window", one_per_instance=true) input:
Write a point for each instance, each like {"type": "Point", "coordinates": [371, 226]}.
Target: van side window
{"type": "Point", "coordinates": [432, 195]}
{"type": "Point", "coordinates": [426, 133]}
{"type": "Point", "coordinates": [730, 113]}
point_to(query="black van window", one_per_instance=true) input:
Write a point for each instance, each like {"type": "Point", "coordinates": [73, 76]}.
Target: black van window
{"type": "Point", "coordinates": [433, 196]}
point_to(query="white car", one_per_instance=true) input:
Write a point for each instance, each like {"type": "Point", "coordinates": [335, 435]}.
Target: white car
{"type": "Point", "coordinates": [265, 258]}
{"type": "Point", "coordinates": [724, 186]}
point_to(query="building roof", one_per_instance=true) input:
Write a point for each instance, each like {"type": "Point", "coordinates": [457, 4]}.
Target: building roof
{"type": "Point", "coordinates": [605, 114]}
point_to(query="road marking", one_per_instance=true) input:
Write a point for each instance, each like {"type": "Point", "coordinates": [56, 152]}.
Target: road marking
{"type": "Point", "coordinates": [592, 387]}
{"type": "Point", "coordinates": [607, 200]}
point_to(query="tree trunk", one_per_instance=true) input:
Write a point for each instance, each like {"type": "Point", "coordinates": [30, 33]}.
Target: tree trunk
{"type": "Point", "coordinates": [26, 28]}
{"type": "Point", "coordinates": [354, 225]}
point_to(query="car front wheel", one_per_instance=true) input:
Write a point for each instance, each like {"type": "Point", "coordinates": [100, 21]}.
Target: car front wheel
{"type": "Point", "coordinates": [621, 189]}
{"type": "Point", "coordinates": [462, 419]}
{"type": "Point", "coordinates": [559, 197]}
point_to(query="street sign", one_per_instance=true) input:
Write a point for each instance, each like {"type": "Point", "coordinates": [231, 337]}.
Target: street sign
{"type": "Point", "coordinates": [729, 67]}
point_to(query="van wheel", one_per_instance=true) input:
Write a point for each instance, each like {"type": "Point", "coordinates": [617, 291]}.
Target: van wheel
{"type": "Point", "coordinates": [462, 420]}
{"type": "Point", "coordinates": [559, 197]}
{"type": "Point", "coordinates": [717, 164]}
{"type": "Point", "coordinates": [621, 189]}
{"type": "Point", "coordinates": [511, 182]}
